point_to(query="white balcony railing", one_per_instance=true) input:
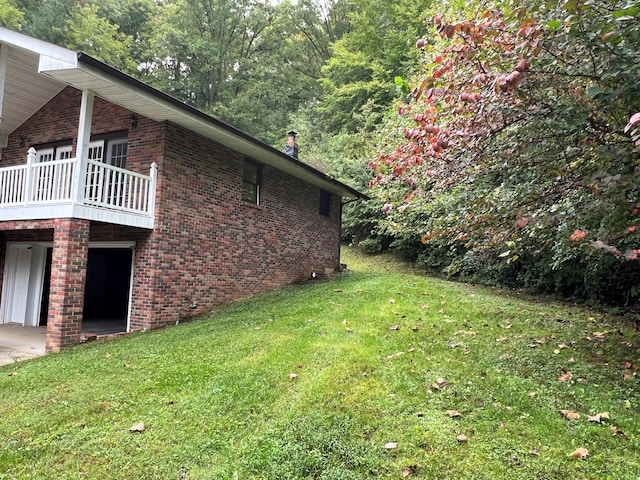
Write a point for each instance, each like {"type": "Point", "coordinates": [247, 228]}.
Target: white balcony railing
{"type": "Point", "coordinates": [112, 187]}
{"type": "Point", "coordinates": [52, 182]}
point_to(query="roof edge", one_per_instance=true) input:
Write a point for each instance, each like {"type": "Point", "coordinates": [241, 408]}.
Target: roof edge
{"type": "Point", "coordinates": [85, 59]}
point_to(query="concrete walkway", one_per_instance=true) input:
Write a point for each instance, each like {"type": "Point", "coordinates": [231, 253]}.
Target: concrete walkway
{"type": "Point", "coordinates": [21, 343]}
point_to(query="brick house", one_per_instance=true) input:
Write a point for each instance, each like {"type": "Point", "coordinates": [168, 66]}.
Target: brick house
{"type": "Point", "coordinates": [119, 203]}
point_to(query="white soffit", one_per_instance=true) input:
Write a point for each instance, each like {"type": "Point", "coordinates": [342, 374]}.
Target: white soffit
{"type": "Point", "coordinates": [25, 92]}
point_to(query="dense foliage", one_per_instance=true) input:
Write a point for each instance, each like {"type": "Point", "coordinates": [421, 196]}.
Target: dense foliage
{"type": "Point", "coordinates": [510, 163]}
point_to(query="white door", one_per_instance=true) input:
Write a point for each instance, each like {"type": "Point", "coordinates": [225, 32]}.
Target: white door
{"type": "Point", "coordinates": [22, 285]}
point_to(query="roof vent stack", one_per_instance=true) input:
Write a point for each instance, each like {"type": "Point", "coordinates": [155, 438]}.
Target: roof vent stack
{"type": "Point", "coordinates": [291, 146]}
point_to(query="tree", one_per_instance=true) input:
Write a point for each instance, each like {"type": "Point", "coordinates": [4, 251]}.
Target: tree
{"type": "Point", "coordinates": [367, 58]}
{"type": "Point", "coordinates": [10, 15]}
{"type": "Point", "coordinates": [85, 31]}
{"type": "Point", "coordinates": [514, 139]}
{"type": "Point", "coordinates": [133, 19]}
{"type": "Point", "coordinates": [46, 19]}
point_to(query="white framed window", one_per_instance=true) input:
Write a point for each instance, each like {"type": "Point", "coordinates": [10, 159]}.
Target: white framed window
{"type": "Point", "coordinates": [110, 151]}
{"type": "Point", "coordinates": [53, 153]}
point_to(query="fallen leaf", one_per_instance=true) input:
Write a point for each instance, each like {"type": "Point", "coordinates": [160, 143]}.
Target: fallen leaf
{"type": "Point", "coordinates": [415, 329]}
{"type": "Point", "coordinates": [580, 453]}
{"type": "Point", "coordinates": [441, 382]}
{"type": "Point", "coordinates": [395, 327]}
{"type": "Point", "coordinates": [293, 376]}
{"type": "Point", "coordinates": [391, 445]}
{"type": "Point", "coordinates": [337, 290]}
{"type": "Point", "coordinates": [453, 413]}
{"type": "Point", "coordinates": [392, 300]}
{"type": "Point", "coordinates": [630, 370]}
{"type": "Point", "coordinates": [570, 414]}
{"type": "Point", "coordinates": [348, 330]}
{"type": "Point", "coordinates": [565, 377]}
{"type": "Point", "coordinates": [616, 431]}
{"type": "Point", "coordinates": [462, 438]}
{"type": "Point", "coordinates": [137, 428]}
{"type": "Point", "coordinates": [597, 359]}
{"type": "Point", "coordinates": [598, 417]}
{"type": "Point", "coordinates": [563, 345]}
{"type": "Point", "coordinates": [409, 470]}
{"type": "Point", "coordinates": [395, 355]}
{"type": "Point", "coordinates": [534, 452]}
{"type": "Point", "coordinates": [599, 334]}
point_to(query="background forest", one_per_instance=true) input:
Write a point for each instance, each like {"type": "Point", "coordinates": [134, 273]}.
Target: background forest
{"type": "Point", "coordinates": [498, 142]}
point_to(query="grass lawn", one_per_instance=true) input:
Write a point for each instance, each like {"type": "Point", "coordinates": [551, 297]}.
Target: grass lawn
{"type": "Point", "coordinates": [380, 374]}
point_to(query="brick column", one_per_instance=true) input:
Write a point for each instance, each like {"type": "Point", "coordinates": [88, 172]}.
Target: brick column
{"type": "Point", "coordinates": [68, 274]}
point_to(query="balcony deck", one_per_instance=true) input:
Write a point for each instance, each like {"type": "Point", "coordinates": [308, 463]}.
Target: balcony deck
{"type": "Point", "coordinates": [43, 190]}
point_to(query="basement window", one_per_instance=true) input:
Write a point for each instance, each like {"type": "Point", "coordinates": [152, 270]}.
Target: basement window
{"type": "Point", "coordinates": [251, 179]}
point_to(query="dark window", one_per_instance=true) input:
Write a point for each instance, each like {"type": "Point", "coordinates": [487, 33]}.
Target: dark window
{"type": "Point", "coordinates": [325, 203]}
{"type": "Point", "coordinates": [251, 181]}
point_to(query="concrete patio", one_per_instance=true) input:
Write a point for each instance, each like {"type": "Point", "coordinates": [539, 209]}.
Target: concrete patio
{"type": "Point", "coordinates": [21, 343]}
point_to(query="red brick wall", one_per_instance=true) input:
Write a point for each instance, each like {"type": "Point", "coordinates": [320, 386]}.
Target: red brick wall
{"type": "Point", "coordinates": [217, 248]}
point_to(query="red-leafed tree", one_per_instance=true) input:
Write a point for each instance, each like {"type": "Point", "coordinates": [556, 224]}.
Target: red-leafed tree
{"type": "Point", "coordinates": [513, 162]}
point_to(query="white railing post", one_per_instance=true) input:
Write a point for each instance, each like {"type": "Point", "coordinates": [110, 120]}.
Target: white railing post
{"type": "Point", "coordinates": [31, 159]}
{"type": "Point", "coordinates": [153, 173]}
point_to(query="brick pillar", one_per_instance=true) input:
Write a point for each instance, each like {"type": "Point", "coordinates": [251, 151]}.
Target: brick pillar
{"type": "Point", "coordinates": [68, 274]}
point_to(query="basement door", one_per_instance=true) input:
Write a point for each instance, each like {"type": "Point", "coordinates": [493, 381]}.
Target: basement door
{"type": "Point", "coordinates": [22, 285]}
{"type": "Point", "coordinates": [107, 288]}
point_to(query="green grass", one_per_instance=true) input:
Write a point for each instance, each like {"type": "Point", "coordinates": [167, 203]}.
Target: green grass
{"type": "Point", "coordinates": [218, 402]}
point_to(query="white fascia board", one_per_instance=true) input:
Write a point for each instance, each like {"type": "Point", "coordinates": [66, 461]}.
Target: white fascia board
{"type": "Point", "coordinates": [47, 64]}
{"type": "Point", "coordinates": [33, 45]}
